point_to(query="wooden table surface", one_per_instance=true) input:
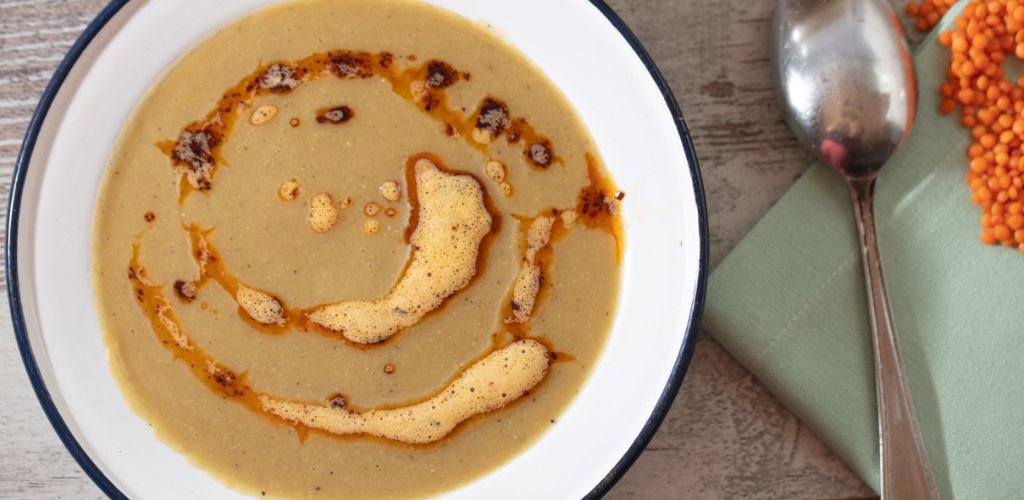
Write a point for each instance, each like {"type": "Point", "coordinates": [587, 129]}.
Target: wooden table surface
{"type": "Point", "coordinates": [725, 437]}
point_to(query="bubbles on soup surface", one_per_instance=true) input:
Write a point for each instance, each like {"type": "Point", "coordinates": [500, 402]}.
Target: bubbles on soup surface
{"type": "Point", "coordinates": [262, 307]}
{"type": "Point", "coordinates": [322, 214]}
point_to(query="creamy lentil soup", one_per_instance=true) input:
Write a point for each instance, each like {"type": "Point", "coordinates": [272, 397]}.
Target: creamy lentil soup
{"type": "Point", "coordinates": [354, 248]}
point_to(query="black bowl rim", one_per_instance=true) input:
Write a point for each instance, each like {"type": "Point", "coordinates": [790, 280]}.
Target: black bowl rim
{"type": "Point", "coordinates": [668, 394]}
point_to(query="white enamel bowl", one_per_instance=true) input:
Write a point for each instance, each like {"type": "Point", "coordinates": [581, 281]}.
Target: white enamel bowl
{"type": "Point", "coordinates": [595, 62]}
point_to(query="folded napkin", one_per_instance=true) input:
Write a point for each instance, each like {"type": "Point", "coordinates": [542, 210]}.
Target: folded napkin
{"type": "Point", "coordinates": [789, 303]}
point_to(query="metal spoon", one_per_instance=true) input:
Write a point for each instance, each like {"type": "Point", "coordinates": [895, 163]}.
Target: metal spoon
{"type": "Point", "coordinates": [846, 83]}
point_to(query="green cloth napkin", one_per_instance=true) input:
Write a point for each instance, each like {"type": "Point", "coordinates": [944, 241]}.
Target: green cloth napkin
{"type": "Point", "coordinates": [789, 303]}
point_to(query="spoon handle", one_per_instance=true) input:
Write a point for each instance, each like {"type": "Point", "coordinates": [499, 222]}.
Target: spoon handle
{"type": "Point", "coordinates": [905, 473]}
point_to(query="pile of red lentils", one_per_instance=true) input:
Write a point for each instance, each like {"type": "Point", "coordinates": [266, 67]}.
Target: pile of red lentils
{"type": "Point", "coordinates": [991, 107]}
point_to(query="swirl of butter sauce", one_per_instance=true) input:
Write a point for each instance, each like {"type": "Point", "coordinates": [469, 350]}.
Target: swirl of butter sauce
{"type": "Point", "coordinates": [487, 385]}
{"type": "Point", "coordinates": [453, 221]}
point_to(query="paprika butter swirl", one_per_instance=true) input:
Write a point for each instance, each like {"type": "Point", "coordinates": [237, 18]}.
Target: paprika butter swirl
{"type": "Point", "coordinates": [501, 377]}
{"type": "Point", "coordinates": [451, 222]}
{"type": "Point", "coordinates": [495, 380]}
{"type": "Point", "coordinates": [451, 225]}
{"type": "Point", "coordinates": [195, 154]}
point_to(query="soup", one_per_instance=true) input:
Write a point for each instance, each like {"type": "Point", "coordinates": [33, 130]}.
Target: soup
{"type": "Point", "coordinates": [354, 248]}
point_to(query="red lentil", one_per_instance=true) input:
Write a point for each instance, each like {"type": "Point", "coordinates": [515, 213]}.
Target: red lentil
{"type": "Point", "coordinates": [929, 12]}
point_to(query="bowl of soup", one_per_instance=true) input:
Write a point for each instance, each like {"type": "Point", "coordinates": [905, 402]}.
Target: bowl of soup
{"type": "Point", "coordinates": [357, 249]}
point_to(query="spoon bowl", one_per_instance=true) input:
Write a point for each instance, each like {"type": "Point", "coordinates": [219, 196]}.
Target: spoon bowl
{"type": "Point", "coordinates": [846, 80]}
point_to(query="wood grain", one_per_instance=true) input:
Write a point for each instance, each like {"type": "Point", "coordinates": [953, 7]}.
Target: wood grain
{"type": "Point", "coordinates": [726, 437]}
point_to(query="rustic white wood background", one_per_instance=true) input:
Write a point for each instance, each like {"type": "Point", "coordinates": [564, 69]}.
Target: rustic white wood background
{"type": "Point", "coordinates": [726, 436]}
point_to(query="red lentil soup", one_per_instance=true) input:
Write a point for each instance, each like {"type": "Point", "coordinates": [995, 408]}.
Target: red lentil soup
{"type": "Point", "coordinates": [354, 248]}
